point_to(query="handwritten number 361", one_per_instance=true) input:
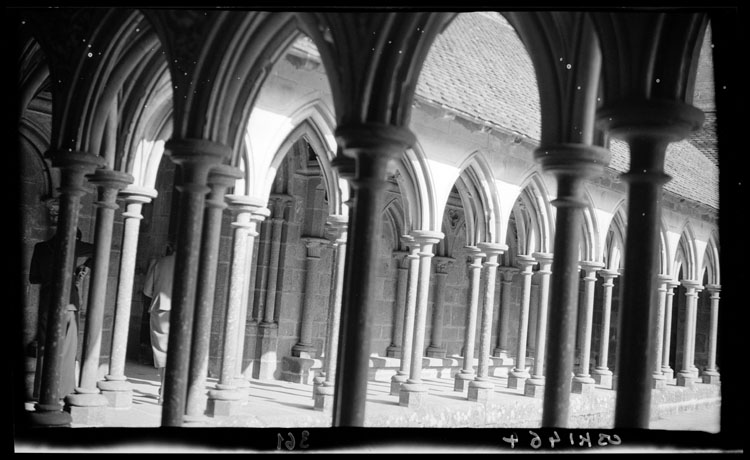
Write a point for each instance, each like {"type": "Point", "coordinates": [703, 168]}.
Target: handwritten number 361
{"type": "Point", "coordinates": [291, 443]}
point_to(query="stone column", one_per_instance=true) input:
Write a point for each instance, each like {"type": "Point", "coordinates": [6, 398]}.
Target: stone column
{"type": "Point", "coordinates": [115, 386]}
{"type": "Point", "coordinates": [711, 374]}
{"type": "Point", "coordinates": [410, 308]}
{"type": "Point", "coordinates": [86, 405]}
{"type": "Point", "coordinates": [226, 398]}
{"type": "Point", "coordinates": [518, 375]}
{"type": "Point", "coordinates": [687, 375]}
{"type": "Point", "coordinates": [503, 350]}
{"type": "Point", "coordinates": [375, 148]}
{"type": "Point", "coordinates": [257, 216]}
{"type": "Point", "coordinates": [534, 386]}
{"type": "Point", "coordinates": [582, 381]}
{"type": "Point", "coordinates": [304, 347]}
{"type": "Point", "coordinates": [196, 159]}
{"type": "Point", "coordinates": [402, 263]}
{"type": "Point", "coordinates": [436, 349]}
{"type": "Point", "coordinates": [219, 180]}
{"type": "Point", "coordinates": [413, 390]}
{"type": "Point", "coordinates": [466, 374]}
{"type": "Point", "coordinates": [601, 373]}
{"type": "Point", "coordinates": [323, 394]}
{"type": "Point", "coordinates": [73, 167]}
{"type": "Point", "coordinates": [669, 307]}
{"type": "Point", "coordinates": [481, 389]}
{"type": "Point", "coordinates": [659, 380]}
{"type": "Point", "coordinates": [648, 127]}
{"type": "Point", "coordinates": [268, 327]}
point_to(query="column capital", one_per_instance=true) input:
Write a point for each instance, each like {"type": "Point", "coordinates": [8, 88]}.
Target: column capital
{"type": "Point", "coordinates": [76, 165]}
{"type": "Point", "coordinates": [608, 274]}
{"type": "Point", "coordinates": [314, 245]}
{"type": "Point", "coordinates": [442, 263]}
{"type": "Point", "coordinates": [525, 262]}
{"type": "Point", "coordinates": [662, 278]}
{"type": "Point", "coordinates": [590, 266]}
{"type": "Point", "coordinates": [671, 285]}
{"type": "Point", "coordinates": [402, 258]}
{"type": "Point", "coordinates": [105, 177]}
{"type": "Point", "coordinates": [544, 259]}
{"type": "Point", "coordinates": [224, 175]}
{"type": "Point", "coordinates": [197, 151]}
{"type": "Point", "coordinates": [423, 237]}
{"type": "Point", "coordinates": [345, 166]}
{"type": "Point", "coordinates": [692, 284]}
{"type": "Point", "coordinates": [664, 119]}
{"type": "Point", "coordinates": [508, 272]}
{"type": "Point", "coordinates": [474, 252]}
{"type": "Point", "coordinates": [244, 204]}
{"type": "Point", "coordinates": [713, 288]}
{"type": "Point", "coordinates": [492, 249]}
{"type": "Point", "coordinates": [137, 194]}
{"type": "Point", "coordinates": [581, 160]}
{"type": "Point", "coordinates": [336, 227]}
{"type": "Point", "coordinates": [384, 139]}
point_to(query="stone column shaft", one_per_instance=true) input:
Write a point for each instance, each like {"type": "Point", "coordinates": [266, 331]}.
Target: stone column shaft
{"type": "Point", "coordinates": [73, 167]}
{"type": "Point", "coordinates": [601, 373]}
{"type": "Point", "coordinates": [409, 311]}
{"type": "Point", "coordinates": [648, 127]}
{"type": "Point", "coordinates": [115, 385]}
{"type": "Point", "coordinates": [323, 395]}
{"type": "Point", "coordinates": [659, 380]}
{"type": "Point", "coordinates": [87, 394]}
{"type": "Point", "coordinates": [480, 388]}
{"type": "Point", "coordinates": [273, 270]}
{"type": "Point", "coordinates": [224, 399]}
{"type": "Point", "coordinates": [109, 184]}
{"type": "Point", "coordinates": [304, 347]}
{"type": "Point", "coordinates": [537, 374]}
{"type": "Point", "coordinates": [503, 350]}
{"type": "Point", "coordinates": [394, 349]}
{"type": "Point", "coordinates": [426, 242]}
{"type": "Point", "coordinates": [475, 271]}
{"type": "Point", "coordinates": [196, 158]}
{"type": "Point", "coordinates": [518, 375]}
{"type": "Point", "coordinates": [582, 381]}
{"type": "Point", "coordinates": [436, 348]}
{"type": "Point", "coordinates": [710, 374]}
{"type": "Point", "coordinates": [375, 147]}
{"type": "Point", "coordinates": [221, 178]}
{"type": "Point", "coordinates": [669, 307]}
{"type": "Point", "coordinates": [688, 373]}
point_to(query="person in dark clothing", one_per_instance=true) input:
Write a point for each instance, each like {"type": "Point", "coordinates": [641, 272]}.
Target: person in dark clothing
{"type": "Point", "coordinates": [41, 272]}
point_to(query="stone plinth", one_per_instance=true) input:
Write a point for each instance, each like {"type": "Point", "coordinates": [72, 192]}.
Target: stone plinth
{"type": "Point", "coordinates": [480, 391]}
{"type": "Point", "coordinates": [686, 380]}
{"type": "Point", "coordinates": [86, 408]}
{"type": "Point", "coordinates": [412, 395]}
{"type": "Point", "coordinates": [582, 385]}
{"type": "Point", "coordinates": [323, 398]}
{"type": "Point", "coordinates": [119, 393]}
{"type": "Point", "coordinates": [396, 382]}
{"type": "Point", "coordinates": [461, 381]}
{"type": "Point", "coordinates": [602, 377]}
{"type": "Point", "coordinates": [268, 336]}
{"type": "Point", "coordinates": [534, 388]}
{"type": "Point", "coordinates": [298, 369]}
{"type": "Point", "coordinates": [711, 377]}
{"type": "Point", "coordinates": [224, 403]}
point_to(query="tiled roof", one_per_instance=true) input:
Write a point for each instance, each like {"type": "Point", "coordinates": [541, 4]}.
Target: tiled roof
{"type": "Point", "coordinates": [480, 68]}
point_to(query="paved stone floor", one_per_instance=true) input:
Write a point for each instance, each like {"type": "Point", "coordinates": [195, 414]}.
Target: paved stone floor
{"type": "Point", "coordinates": [284, 408]}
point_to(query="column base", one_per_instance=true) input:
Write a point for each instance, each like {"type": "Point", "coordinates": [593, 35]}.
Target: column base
{"type": "Point", "coordinates": [435, 352]}
{"type": "Point", "coordinates": [517, 378]}
{"type": "Point", "coordinates": [461, 380]}
{"type": "Point", "coordinates": [534, 388]}
{"type": "Point", "coordinates": [119, 393]}
{"type": "Point", "coordinates": [668, 372]}
{"type": "Point", "coordinates": [242, 384]}
{"type": "Point", "coordinates": [323, 398]}
{"type": "Point", "coordinates": [500, 353]}
{"type": "Point", "coordinates": [582, 385]}
{"type": "Point", "coordinates": [318, 381]}
{"type": "Point", "coordinates": [393, 351]}
{"type": "Point", "coordinates": [602, 377]}
{"type": "Point", "coordinates": [412, 395]}
{"type": "Point", "coordinates": [86, 408]}
{"type": "Point", "coordinates": [480, 391]}
{"type": "Point", "coordinates": [396, 381]}
{"type": "Point", "coordinates": [304, 351]}
{"type": "Point", "coordinates": [49, 418]}
{"type": "Point", "coordinates": [658, 381]}
{"type": "Point", "coordinates": [686, 380]}
{"type": "Point", "coordinates": [268, 336]}
{"type": "Point", "coordinates": [223, 403]}
{"type": "Point", "coordinates": [297, 370]}
{"type": "Point", "coordinates": [711, 377]}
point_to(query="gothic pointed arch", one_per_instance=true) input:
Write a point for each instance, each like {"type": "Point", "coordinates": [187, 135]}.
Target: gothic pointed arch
{"type": "Point", "coordinates": [615, 240]}
{"type": "Point", "coordinates": [711, 265]}
{"type": "Point", "coordinates": [686, 257]}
